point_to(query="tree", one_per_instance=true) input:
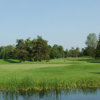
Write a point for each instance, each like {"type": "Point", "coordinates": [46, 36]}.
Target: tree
{"type": "Point", "coordinates": [61, 51]}
{"type": "Point", "coordinates": [11, 54]}
{"type": "Point", "coordinates": [29, 48]}
{"type": "Point", "coordinates": [7, 52]}
{"type": "Point", "coordinates": [81, 54]}
{"type": "Point", "coordinates": [90, 51]}
{"type": "Point", "coordinates": [77, 52]}
{"type": "Point", "coordinates": [55, 51]}
{"type": "Point", "coordinates": [74, 52]}
{"type": "Point", "coordinates": [41, 49]}
{"type": "Point", "coordinates": [98, 49]}
{"type": "Point", "coordinates": [66, 53]}
{"type": "Point", "coordinates": [21, 50]}
{"type": "Point", "coordinates": [91, 43]}
{"type": "Point", "coordinates": [2, 52]}
{"type": "Point", "coordinates": [91, 40]}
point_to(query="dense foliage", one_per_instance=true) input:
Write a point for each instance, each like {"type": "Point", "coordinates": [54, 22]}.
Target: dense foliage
{"type": "Point", "coordinates": [91, 43]}
{"type": "Point", "coordinates": [38, 50]}
{"type": "Point", "coordinates": [98, 49]}
{"type": "Point", "coordinates": [32, 50]}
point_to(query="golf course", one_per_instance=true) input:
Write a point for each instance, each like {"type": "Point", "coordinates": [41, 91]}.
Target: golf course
{"type": "Point", "coordinates": [62, 73]}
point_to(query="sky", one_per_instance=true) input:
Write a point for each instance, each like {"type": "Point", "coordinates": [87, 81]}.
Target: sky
{"type": "Point", "coordinates": [62, 22]}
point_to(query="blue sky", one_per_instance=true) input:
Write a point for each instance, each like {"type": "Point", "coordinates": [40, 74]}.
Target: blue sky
{"type": "Point", "coordinates": [63, 22]}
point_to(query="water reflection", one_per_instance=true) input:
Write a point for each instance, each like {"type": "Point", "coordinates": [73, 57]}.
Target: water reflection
{"type": "Point", "coordinates": [78, 94]}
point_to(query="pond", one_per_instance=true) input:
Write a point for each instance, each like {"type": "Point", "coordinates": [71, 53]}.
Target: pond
{"type": "Point", "coordinates": [79, 94]}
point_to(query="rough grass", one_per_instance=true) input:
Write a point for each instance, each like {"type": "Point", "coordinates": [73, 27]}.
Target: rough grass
{"type": "Point", "coordinates": [62, 73]}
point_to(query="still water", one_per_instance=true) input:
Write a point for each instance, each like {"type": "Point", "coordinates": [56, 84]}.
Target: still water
{"type": "Point", "coordinates": [79, 94]}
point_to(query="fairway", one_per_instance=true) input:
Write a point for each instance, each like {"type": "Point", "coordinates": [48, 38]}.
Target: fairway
{"type": "Point", "coordinates": [54, 74]}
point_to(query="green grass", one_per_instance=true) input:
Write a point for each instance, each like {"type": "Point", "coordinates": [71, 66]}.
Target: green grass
{"type": "Point", "coordinates": [62, 73]}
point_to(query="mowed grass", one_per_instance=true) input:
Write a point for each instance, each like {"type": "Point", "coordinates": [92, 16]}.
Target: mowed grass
{"type": "Point", "coordinates": [64, 73]}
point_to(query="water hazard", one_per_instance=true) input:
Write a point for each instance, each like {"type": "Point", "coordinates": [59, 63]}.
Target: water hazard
{"type": "Point", "coordinates": [79, 94]}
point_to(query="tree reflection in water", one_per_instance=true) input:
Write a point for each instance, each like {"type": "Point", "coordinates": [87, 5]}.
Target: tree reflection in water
{"type": "Point", "coordinates": [76, 94]}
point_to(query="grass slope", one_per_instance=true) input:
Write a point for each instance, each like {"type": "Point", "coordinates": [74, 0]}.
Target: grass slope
{"type": "Point", "coordinates": [56, 74]}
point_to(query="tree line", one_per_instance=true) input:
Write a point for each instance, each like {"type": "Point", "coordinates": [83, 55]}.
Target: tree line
{"type": "Point", "coordinates": [38, 49]}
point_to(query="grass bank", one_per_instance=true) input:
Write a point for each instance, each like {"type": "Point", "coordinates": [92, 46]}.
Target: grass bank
{"type": "Point", "coordinates": [62, 73]}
